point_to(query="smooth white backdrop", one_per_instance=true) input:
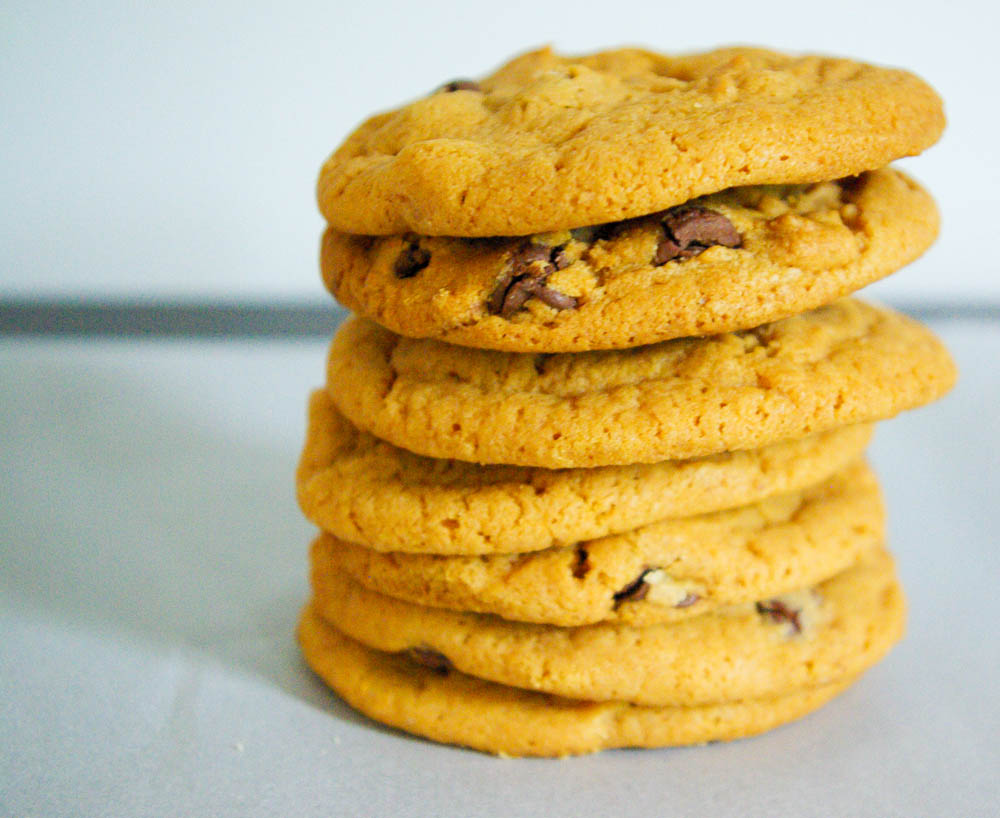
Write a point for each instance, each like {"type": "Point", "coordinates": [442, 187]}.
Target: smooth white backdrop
{"type": "Point", "coordinates": [152, 151]}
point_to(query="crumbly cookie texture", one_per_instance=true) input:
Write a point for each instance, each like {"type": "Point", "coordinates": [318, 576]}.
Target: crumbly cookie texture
{"type": "Point", "coordinates": [367, 491]}
{"type": "Point", "coordinates": [550, 142]}
{"type": "Point", "coordinates": [739, 652]}
{"type": "Point", "coordinates": [841, 364]}
{"type": "Point", "coordinates": [791, 248]}
{"type": "Point", "coordinates": [451, 707]}
{"type": "Point", "coordinates": [664, 572]}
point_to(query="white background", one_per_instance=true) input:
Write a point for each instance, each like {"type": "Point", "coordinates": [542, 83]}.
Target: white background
{"type": "Point", "coordinates": [170, 152]}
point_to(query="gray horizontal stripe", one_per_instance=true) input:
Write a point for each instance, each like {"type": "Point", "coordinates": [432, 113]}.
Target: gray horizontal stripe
{"type": "Point", "coordinates": [170, 320]}
{"type": "Point", "coordinates": [273, 320]}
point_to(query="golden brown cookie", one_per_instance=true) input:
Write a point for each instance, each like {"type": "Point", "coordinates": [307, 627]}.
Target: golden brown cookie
{"type": "Point", "coordinates": [663, 572]}
{"type": "Point", "coordinates": [367, 491]}
{"type": "Point", "coordinates": [550, 142]}
{"type": "Point", "coordinates": [777, 646]}
{"type": "Point", "coordinates": [837, 365]}
{"type": "Point", "coordinates": [448, 706]}
{"type": "Point", "coordinates": [632, 283]}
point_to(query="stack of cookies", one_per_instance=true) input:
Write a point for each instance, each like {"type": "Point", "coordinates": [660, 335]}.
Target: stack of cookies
{"type": "Point", "coordinates": [588, 466]}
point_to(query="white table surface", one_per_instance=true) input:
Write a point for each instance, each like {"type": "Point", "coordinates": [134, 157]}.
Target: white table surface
{"type": "Point", "coordinates": [154, 562]}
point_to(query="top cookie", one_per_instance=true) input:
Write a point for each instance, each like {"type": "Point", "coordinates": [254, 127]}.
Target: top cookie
{"type": "Point", "coordinates": [550, 142]}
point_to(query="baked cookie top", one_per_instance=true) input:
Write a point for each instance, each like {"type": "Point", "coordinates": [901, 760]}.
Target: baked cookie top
{"type": "Point", "coordinates": [448, 706]}
{"type": "Point", "coordinates": [549, 142]}
{"type": "Point", "coordinates": [663, 572]}
{"type": "Point", "coordinates": [811, 637]}
{"type": "Point", "coordinates": [727, 261]}
{"type": "Point", "coordinates": [367, 491]}
{"type": "Point", "coordinates": [841, 364]}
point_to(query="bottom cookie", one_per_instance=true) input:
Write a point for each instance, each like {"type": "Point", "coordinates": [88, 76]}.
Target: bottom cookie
{"type": "Point", "coordinates": [448, 706]}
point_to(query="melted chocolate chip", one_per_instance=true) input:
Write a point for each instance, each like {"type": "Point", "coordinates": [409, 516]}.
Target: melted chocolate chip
{"type": "Point", "coordinates": [411, 260]}
{"type": "Point", "coordinates": [528, 270]}
{"type": "Point", "coordinates": [583, 566]}
{"type": "Point", "coordinates": [432, 659]}
{"type": "Point", "coordinates": [778, 611]}
{"type": "Point", "coordinates": [554, 298]}
{"type": "Point", "coordinates": [692, 230]}
{"type": "Point", "coordinates": [460, 85]}
{"type": "Point", "coordinates": [635, 591]}
{"type": "Point", "coordinates": [688, 601]}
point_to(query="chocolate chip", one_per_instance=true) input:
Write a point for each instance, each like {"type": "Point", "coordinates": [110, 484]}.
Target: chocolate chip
{"type": "Point", "coordinates": [692, 230]}
{"type": "Point", "coordinates": [554, 298]}
{"type": "Point", "coordinates": [527, 272]}
{"type": "Point", "coordinates": [666, 250]}
{"type": "Point", "coordinates": [530, 252]}
{"type": "Point", "coordinates": [505, 300]}
{"type": "Point", "coordinates": [635, 591]}
{"type": "Point", "coordinates": [583, 565]}
{"type": "Point", "coordinates": [432, 659]}
{"type": "Point", "coordinates": [698, 225]}
{"type": "Point", "coordinates": [688, 601]}
{"type": "Point", "coordinates": [411, 260]}
{"type": "Point", "coordinates": [778, 611]}
{"type": "Point", "coordinates": [460, 85]}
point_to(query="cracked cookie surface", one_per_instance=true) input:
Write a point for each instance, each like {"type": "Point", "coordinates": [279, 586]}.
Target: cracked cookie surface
{"type": "Point", "coordinates": [663, 572]}
{"type": "Point", "coordinates": [550, 142]}
{"type": "Point", "coordinates": [367, 491]}
{"type": "Point", "coordinates": [842, 626]}
{"type": "Point", "coordinates": [458, 709]}
{"type": "Point", "coordinates": [841, 364]}
{"type": "Point", "coordinates": [799, 247]}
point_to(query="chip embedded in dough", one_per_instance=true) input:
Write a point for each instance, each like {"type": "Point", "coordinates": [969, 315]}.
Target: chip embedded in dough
{"type": "Point", "coordinates": [794, 641]}
{"type": "Point", "coordinates": [800, 246]}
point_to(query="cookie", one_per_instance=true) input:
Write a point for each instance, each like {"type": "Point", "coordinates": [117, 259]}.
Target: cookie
{"type": "Point", "coordinates": [837, 365]}
{"type": "Point", "coordinates": [367, 491]}
{"type": "Point", "coordinates": [777, 646]}
{"type": "Point", "coordinates": [451, 707]}
{"type": "Point", "coordinates": [550, 142]}
{"type": "Point", "coordinates": [795, 247]}
{"type": "Point", "coordinates": [663, 572]}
